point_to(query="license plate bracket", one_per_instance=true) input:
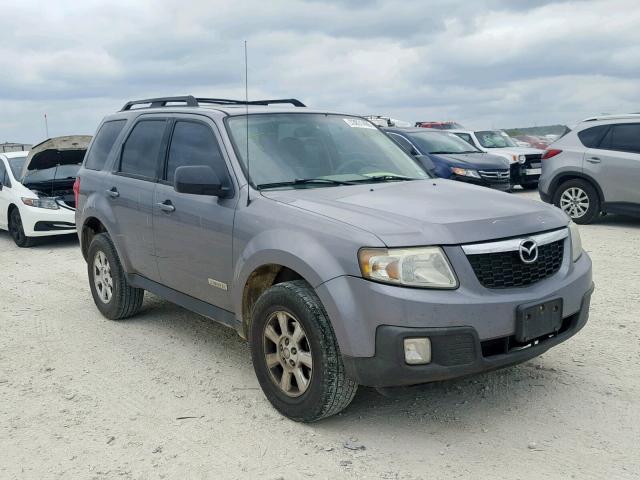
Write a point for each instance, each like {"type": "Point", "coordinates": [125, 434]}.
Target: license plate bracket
{"type": "Point", "coordinates": [538, 319]}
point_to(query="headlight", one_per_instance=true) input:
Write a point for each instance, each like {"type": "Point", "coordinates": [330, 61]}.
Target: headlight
{"type": "Point", "coordinates": [49, 203]}
{"type": "Point", "coordinates": [465, 172]}
{"type": "Point", "coordinates": [425, 267]}
{"type": "Point", "coordinates": [576, 243]}
{"type": "Point", "coordinates": [522, 158]}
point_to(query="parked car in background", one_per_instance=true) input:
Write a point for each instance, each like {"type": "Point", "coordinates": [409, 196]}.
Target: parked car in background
{"type": "Point", "coordinates": [36, 198]}
{"type": "Point", "coordinates": [532, 141]}
{"type": "Point", "coordinates": [595, 168]}
{"type": "Point", "coordinates": [454, 158]}
{"type": "Point", "coordinates": [387, 121]}
{"type": "Point", "coordinates": [449, 125]}
{"type": "Point", "coordinates": [340, 260]}
{"type": "Point", "coordinates": [525, 162]}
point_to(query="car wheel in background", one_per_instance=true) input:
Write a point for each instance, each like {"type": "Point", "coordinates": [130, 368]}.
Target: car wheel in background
{"type": "Point", "coordinates": [112, 294]}
{"type": "Point", "coordinates": [529, 185]}
{"type": "Point", "coordinates": [296, 356]}
{"type": "Point", "coordinates": [578, 199]}
{"type": "Point", "coordinates": [17, 230]}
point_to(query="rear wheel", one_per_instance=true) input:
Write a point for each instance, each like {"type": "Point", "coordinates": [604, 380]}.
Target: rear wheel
{"type": "Point", "coordinates": [578, 199]}
{"type": "Point", "coordinates": [296, 356]}
{"type": "Point", "coordinates": [112, 294]}
{"type": "Point", "coordinates": [17, 230]}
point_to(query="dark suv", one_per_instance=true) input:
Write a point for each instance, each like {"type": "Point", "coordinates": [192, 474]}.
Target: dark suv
{"type": "Point", "coordinates": [325, 245]}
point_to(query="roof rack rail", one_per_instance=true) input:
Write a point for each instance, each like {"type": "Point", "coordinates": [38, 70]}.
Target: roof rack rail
{"type": "Point", "coordinates": [191, 101]}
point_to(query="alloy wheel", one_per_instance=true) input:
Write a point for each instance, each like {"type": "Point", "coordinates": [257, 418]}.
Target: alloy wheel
{"type": "Point", "coordinates": [102, 277]}
{"type": "Point", "coordinates": [287, 353]}
{"type": "Point", "coordinates": [575, 202]}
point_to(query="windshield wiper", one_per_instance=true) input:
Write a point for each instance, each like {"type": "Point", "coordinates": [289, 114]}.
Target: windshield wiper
{"type": "Point", "coordinates": [304, 181]}
{"type": "Point", "coordinates": [385, 178]}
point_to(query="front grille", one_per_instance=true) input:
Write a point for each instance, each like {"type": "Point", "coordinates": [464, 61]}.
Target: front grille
{"type": "Point", "coordinates": [495, 174]}
{"type": "Point", "coordinates": [506, 269]}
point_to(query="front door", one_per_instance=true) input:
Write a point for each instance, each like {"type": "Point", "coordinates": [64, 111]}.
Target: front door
{"type": "Point", "coordinates": [193, 234]}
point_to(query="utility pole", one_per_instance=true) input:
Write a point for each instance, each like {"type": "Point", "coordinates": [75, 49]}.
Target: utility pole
{"type": "Point", "coordinates": [46, 125]}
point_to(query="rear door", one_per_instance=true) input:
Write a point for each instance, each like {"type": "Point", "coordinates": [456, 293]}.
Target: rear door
{"type": "Point", "coordinates": [5, 194]}
{"type": "Point", "coordinates": [130, 191]}
{"type": "Point", "coordinates": [615, 163]}
{"type": "Point", "coordinates": [193, 233]}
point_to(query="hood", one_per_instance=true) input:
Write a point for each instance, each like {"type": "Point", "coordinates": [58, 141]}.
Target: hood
{"type": "Point", "coordinates": [427, 212]}
{"type": "Point", "coordinates": [476, 161]}
{"type": "Point", "coordinates": [67, 150]}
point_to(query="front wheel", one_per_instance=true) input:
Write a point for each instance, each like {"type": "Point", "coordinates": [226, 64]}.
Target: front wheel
{"type": "Point", "coordinates": [296, 356]}
{"type": "Point", "coordinates": [579, 200]}
{"type": "Point", "coordinates": [112, 294]}
{"type": "Point", "coordinates": [16, 229]}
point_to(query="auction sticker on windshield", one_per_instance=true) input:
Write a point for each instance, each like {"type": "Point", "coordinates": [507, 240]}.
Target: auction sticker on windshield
{"type": "Point", "coordinates": [358, 123]}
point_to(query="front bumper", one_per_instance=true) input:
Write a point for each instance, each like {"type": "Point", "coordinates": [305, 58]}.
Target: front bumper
{"type": "Point", "coordinates": [456, 352]}
{"type": "Point", "coordinates": [40, 222]}
{"type": "Point", "coordinates": [498, 184]}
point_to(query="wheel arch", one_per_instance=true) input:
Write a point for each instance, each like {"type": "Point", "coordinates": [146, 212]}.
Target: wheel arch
{"type": "Point", "coordinates": [91, 227]}
{"type": "Point", "coordinates": [565, 177]}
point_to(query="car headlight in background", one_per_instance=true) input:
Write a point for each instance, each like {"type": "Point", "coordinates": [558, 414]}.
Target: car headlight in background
{"type": "Point", "coordinates": [522, 158]}
{"type": "Point", "coordinates": [464, 172]}
{"type": "Point", "coordinates": [576, 242]}
{"type": "Point", "coordinates": [48, 203]}
{"type": "Point", "coordinates": [426, 267]}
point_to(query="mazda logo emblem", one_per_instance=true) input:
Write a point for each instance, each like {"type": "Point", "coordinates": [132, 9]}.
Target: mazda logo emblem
{"type": "Point", "coordinates": [528, 251]}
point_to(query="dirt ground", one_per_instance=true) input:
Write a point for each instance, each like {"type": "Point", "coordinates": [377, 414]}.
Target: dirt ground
{"type": "Point", "coordinates": [170, 394]}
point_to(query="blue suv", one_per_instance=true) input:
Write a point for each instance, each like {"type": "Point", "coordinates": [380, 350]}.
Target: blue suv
{"type": "Point", "coordinates": [453, 158]}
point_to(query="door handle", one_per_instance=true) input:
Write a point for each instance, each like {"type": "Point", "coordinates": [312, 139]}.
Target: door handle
{"type": "Point", "coordinates": [166, 206]}
{"type": "Point", "coordinates": [113, 193]}
{"type": "Point", "coordinates": [594, 160]}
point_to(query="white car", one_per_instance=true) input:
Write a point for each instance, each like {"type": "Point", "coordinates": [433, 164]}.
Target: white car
{"type": "Point", "coordinates": [36, 189]}
{"type": "Point", "coordinates": [525, 162]}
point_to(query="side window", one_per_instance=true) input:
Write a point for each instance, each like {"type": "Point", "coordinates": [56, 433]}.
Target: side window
{"type": "Point", "coordinates": [4, 177]}
{"type": "Point", "coordinates": [103, 143]}
{"type": "Point", "coordinates": [466, 137]}
{"type": "Point", "coordinates": [625, 137]}
{"type": "Point", "coordinates": [140, 155]}
{"type": "Point", "coordinates": [403, 142]}
{"type": "Point", "coordinates": [591, 137]}
{"type": "Point", "coordinates": [194, 143]}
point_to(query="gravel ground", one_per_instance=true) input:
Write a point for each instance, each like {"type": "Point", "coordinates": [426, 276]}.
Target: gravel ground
{"type": "Point", "coordinates": [169, 394]}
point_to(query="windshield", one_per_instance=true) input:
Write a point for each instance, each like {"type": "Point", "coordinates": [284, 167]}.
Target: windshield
{"type": "Point", "coordinates": [286, 147]}
{"type": "Point", "coordinates": [440, 142]}
{"type": "Point", "coordinates": [16, 165]}
{"type": "Point", "coordinates": [49, 174]}
{"type": "Point", "coordinates": [494, 139]}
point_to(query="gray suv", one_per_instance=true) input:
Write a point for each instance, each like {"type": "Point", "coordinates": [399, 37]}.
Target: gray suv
{"type": "Point", "coordinates": [595, 168]}
{"type": "Point", "coordinates": [325, 245]}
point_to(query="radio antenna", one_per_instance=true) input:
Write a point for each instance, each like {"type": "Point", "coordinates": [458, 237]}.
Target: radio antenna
{"type": "Point", "coordinates": [246, 104]}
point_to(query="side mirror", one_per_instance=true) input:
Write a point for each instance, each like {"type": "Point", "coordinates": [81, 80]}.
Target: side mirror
{"type": "Point", "coordinates": [198, 180]}
{"type": "Point", "coordinates": [426, 163]}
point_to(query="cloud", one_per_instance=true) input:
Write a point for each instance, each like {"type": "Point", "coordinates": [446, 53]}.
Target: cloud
{"type": "Point", "coordinates": [492, 63]}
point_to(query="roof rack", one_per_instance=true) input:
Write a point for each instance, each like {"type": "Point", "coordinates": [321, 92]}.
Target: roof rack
{"type": "Point", "coordinates": [191, 101]}
{"type": "Point", "coordinates": [619, 116]}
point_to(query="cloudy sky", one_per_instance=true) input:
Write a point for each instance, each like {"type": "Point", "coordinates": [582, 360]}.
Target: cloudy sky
{"type": "Point", "coordinates": [483, 63]}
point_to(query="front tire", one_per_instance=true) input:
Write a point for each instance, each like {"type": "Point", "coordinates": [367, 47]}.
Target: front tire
{"type": "Point", "coordinates": [112, 294]}
{"type": "Point", "coordinates": [16, 230]}
{"type": "Point", "coordinates": [578, 199]}
{"type": "Point", "coordinates": [295, 354]}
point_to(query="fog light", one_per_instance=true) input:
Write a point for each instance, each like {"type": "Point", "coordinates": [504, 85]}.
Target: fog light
{"type": "Point", "coordinates": [417, 351]}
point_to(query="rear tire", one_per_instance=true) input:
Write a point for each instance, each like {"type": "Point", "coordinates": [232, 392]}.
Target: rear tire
{"type": "Point", "coordinates": [17, 230]}
{"type": "Point", "coordinates": [291, 336]}
{"type": "Point", "coordinates": [578, 199]}
{"type": "Point", "coordinates": [112, 294]}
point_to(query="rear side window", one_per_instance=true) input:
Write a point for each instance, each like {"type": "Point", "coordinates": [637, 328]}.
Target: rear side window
{"type": "Point", "coordinates": [4, 176]}
{"type": "Point", "coordinates": [624, 137]}
{"type": "Point", "coordinates": [403, 142]}
{"type": "Point", "coordinates": [591, 137]}
{"type": "Point", "coordinates": [466, 137]}
{"type": "Point", "coordinates": [141, 151]}
{"type": "Point", "coordinates": [103, 143]}
{"type": "Point", "coordinates": [194, 143]}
